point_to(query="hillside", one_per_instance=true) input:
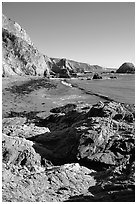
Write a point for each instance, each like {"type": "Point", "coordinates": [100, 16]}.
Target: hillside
{"type": "Point", "coordinates": [80, 67]}
{"type": "Point", "coordinates": [19, 56]}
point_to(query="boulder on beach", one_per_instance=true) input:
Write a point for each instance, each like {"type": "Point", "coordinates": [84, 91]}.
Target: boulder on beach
{"type": "Point", "coordinates": [126, 68]}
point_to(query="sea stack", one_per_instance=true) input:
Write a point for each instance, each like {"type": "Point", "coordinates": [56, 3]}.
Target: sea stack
{"type": "Point", "coordinates": [126, 68]}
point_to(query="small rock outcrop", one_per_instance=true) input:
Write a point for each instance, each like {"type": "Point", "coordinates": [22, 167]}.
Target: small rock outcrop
{"type": "Point", "coordinates": [19, 56]}
{"type": "Point", "coordinates": [97, 76]}
{"type": "Point", "coordinates": [61, 69]}
{"type": "Point", "coordinates": [127, 67]}
{"type": "Point", "coordinates": [113, 77]}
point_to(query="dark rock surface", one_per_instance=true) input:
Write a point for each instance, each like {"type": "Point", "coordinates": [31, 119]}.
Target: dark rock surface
{"type": "Point", "coordinates": [97, 76]}
{"type": "Point", "coordinates": [19, 56]}
{"type": "Point", "coordinates": [64, 109]}
{"type": "Point", "coordinates": [113, 77]}
{"type": "Point", "coordinates": [126, 68]}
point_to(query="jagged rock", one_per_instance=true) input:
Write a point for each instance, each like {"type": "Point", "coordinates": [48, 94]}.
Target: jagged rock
{"type": "Point", "coordinates": [60, 69]}
{"type": "Point", "coordinates": [20, 57]}
{"type": "Point", "coordinates": [54, 184]}
{"type": "Point", "coordinates": [99, 143]}
{"type": "Point", "coordinates": [90, 137]}
{"type": "Point", "coordinates": [18, 127]}
{"type": "Point", "coordinates": [28, 177]}
{"type": "Point", "coordinates": [126, 68]}
{"type": "Point", "coordinates": [64, 109]}
{"type": "Point", "coordinates": [19, 151]}
{"type": "Point", "coordinates": [113, 185]}
{"type": "Point", "coordinates": [113, 109]}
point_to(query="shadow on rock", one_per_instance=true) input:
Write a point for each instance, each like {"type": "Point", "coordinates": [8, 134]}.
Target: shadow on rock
{"type": "Point", "coordinates": [32, 115]}
{"type": "Point", "coordinates": [126, 195]}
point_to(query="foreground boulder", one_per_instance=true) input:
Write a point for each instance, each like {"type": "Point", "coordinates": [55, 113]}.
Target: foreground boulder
{"type": "Point", "coordinates": [19, 56]}
{"type": "Point", "coordinates": [101, 137]}
{"type": "Point", "coordinates": [27, 177]}
{"type": "Point", "coordinates": [126, 68]}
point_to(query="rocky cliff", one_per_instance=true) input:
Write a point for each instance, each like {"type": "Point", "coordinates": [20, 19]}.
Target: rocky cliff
{"type": "Point", "coordinates": [19, 55]}
{"type": "Point", "coordinates": [78, 67]}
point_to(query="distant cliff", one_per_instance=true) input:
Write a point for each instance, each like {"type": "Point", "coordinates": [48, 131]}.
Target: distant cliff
{"type": "Point", "coordinates": [19, 56]}
{"type": "Point", "coordinates": [78, 67]}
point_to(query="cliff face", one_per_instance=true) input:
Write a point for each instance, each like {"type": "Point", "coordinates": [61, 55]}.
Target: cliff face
{"type": "Point", "coordinates": [78, 67]}
{"type": "Point", "coordinates": [19, 56]}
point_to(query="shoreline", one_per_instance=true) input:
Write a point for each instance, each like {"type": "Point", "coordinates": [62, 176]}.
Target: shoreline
{"type": "Point", "coordinates": [70, 83]}
{"type": "Point", "coordinates": [74, 148]}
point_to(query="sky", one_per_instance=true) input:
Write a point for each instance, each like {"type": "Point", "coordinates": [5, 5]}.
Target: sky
{"type": "Point", "coordinates": [101, 33]}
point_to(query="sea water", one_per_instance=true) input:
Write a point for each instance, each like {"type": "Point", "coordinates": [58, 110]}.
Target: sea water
{"type": "Point", "coordinates": [121, 89]}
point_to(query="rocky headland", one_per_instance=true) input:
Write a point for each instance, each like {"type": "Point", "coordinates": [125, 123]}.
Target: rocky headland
{"type": "Point", "coordinates": [55, 145]}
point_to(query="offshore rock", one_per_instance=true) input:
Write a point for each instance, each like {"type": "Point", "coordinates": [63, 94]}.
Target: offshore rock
{"type": "Point", "coordinates": [126, 68]}
{"type": "Point", "coordinates": [97, 76]}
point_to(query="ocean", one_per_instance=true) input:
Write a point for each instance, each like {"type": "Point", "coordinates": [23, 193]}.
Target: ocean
{"type": "Point", "coordinates": [121, 89]}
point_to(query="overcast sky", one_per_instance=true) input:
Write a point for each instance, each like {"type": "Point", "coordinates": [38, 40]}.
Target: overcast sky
{"type": "Point", "coordinates": [93, 32]}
